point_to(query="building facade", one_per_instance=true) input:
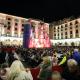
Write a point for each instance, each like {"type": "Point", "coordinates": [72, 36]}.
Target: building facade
{"type": "Point", "coordinates": [12, 28]}
{"type": "Point", "coordinates": [66, 33]}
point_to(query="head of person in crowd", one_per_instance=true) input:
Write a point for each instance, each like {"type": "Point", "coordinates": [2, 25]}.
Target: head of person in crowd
{"type": "Point", "coordinates": [76, 50]}
{"type": "Point", "coordinates": [56, 76]}
{"type": "Point", "coordinates": [5, 70]}
{"type": "Point", "coordinates": [72, 65]}
{"type": "Point", "coordinates": [15, 69]}
{"type": "Point", "coordinates": [76, 55]}
{"type": "Point", "coordinates": [17, 66]}
{"type": "Point", "coordinates": [46, 60]}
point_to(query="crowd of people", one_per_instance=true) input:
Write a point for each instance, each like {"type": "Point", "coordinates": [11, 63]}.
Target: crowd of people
{"type": "Point", "coordinates": [55, 63]}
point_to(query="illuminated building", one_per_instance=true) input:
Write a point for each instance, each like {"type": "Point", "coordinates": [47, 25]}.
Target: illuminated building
{"type": "Point", "coordinates": [12, 28]}
{"type": "Point", "coordinates": [66, 32]}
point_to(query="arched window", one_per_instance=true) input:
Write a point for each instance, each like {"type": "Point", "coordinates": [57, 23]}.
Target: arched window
{"type": "Point", "coordinates": [71, 23]}
{"type": "Point", "coordinates": [22, 29]}
{"type": "Point", "coordinates": [76, 26]}
{"type": "Point", "coordinates": [8, 27]}
{"type": "Point", "coordinates": [9, 18]}
{"type": "Point", "coordinates": [76, 22]}
{"type": "Point", "coordinates": [70, 27]}
{"type": "Point", "coordinates": [66, 25]}
{"type": "Point", "coordinates": [22, 25]}
{"type": "Point", "coordinates": [58, 27]}
{"type": "Point", "coordinates": [61, 26]}
{"type": "Point", "coordinates": [5, 26]}
{"type": "Point", "coordinates": [15, 29]}
{"type": "Point", "coordinates": [16, 24]}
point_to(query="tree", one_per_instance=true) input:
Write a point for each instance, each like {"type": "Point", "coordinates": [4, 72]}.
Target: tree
{"type": "Point", "coordinates": [72, 44]}
{"type": "Point", "coordinates": [66, 44]}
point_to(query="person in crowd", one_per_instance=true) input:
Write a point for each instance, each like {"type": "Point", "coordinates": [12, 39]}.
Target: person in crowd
{"type": "Point", "coordinates": [12, 57]}
{"type": "Point", "coordinates": [64, 60]}
{"type": "Point", "coordinates": [72, 72]}
{"type": "Point", "coordinates": [76, 55]}
{"type": "Point", "coordinates": [45, 71]}
{"type": "Point", "coordinates": [5, 70]}
{"type": "Point", "coordinates": [56, 76]}
{"type": "Point", "coordinates": [54, 59]}
{"type": "Point", "coordinates": [18, 72]}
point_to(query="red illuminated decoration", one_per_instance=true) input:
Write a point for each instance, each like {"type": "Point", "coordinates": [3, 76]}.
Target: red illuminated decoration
{"type": "Point", "coordinates": [43, 36]}
{"type": "Point", "coordinates": [43, 40]}
{"type": "Point", "coordinates": [32, 40]}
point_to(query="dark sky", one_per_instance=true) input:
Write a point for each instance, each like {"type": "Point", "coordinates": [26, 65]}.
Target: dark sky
{"type": "Point", "coordinates": [46, 9]}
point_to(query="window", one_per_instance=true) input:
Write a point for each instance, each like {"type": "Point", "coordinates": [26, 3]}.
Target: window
{"type": "Point", "coordinates": [61, 33]}
{"type": "Point", "coordinates": [65, 28]}
{"type": "Point", "coordinates": [9, 18]}
{"type": "Point", "coordinates": [65, 33]}
{"type": "Point", "coordinates": [16, 24]}
{"type": "Point", "coordinates": [8, 28]}
{"type": "Point", "coordinates": [61, 37]}
{"type": "Point", "coordinates": [54, 30]}
{"type": "Point", "coordinates": [15, 29]}
{"type": "Point", "coordinates": [58, 27]}
{"type": "Point", "coordinates": [76, 26]}
{"type": "Point", "coordinates": [5, 26]}
{"type": "Point", "coordinates": [76, 22]}
{"type": "Point", "coordinates": [22, 25]}
{"type": "Point", "coordinates": [16, 20]}
{"type": "Point", "coordinates": [71, 36]}
{"type": "Point", "coordinates": [71, 23]}
{"type": "Point", "coordinates": [54, 34]}
{"type": "Point", "coordinates": [22, 30]}
{"type": "Point", "coordinates": [66, 25]}
{"type": "Point", "coordinates": [70, 27]}
{"type": "Point", "coordinates": [65, 37]}
{"type": "Point", "coordinates": [61, 26]}
{"type": "Point", "coordinates": [8, 23]}
{"type": "Point", "coordinates": [23, 21]}
{"type": "Point", "coordinates": [76, 31]}
{"type": "Point", "coordinates": [77, 35]}
{"type": "Point", "coordinates": [70, 32]}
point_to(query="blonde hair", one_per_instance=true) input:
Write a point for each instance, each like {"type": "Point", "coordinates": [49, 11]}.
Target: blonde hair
{"type": "Point", "coordinates": [46, 59]}
{"type": "Point", "coordinates": [56, 75]}
{"type": "Point", "coordinates": [16, 68]}
{"type": "Point", "coordinates": [72, 62]}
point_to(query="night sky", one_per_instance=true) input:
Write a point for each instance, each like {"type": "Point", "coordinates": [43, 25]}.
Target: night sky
{"type": "Point", "coordinates": [46, 10]}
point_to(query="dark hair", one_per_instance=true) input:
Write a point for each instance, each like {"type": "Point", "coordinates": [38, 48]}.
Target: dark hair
{"type": "Point", "coordinates": [4, 65]}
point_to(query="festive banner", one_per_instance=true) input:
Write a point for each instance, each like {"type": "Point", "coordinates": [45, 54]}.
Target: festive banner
{"type": "Point", "coordinates": [42, 41]}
